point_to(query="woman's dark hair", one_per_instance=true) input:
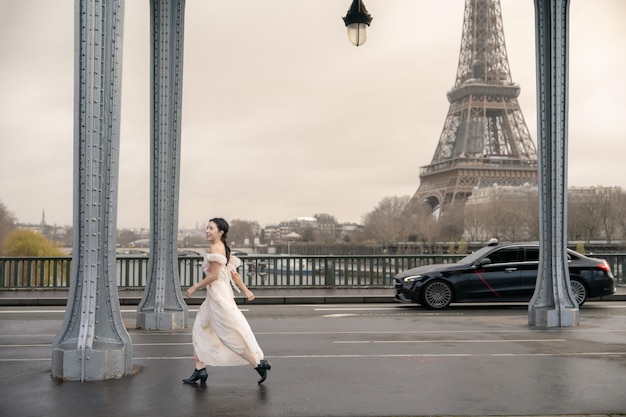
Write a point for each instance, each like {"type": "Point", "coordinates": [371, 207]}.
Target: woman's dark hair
{"type": "Point", "coordinates": [223, 226]}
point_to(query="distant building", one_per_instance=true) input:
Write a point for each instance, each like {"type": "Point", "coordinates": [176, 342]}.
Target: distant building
{"type": "Point", "coordinates": [486, 195]}
{"type": "Point", "coordinates": [515, 210]}
{"type": "Point", "coordinates": [574, 192]}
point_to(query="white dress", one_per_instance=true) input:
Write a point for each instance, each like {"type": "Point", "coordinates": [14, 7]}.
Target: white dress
{"type": "Point", "coordinates": [221, 334]}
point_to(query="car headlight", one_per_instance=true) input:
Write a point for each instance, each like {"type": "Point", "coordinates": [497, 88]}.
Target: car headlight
{"type": "Point", "coordinates": [413, 278]}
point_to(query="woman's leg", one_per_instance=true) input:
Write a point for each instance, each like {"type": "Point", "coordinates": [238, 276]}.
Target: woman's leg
{"type": "Point", "coordinates": [199, 373]}
{"type": "Point", "coordinates": [199, 365]}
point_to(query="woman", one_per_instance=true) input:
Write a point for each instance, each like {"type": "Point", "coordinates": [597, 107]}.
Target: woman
{"type": "Point", "coordinates": [221, 334]}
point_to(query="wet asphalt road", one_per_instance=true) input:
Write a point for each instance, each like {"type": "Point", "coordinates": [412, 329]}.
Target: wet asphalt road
{"type": "Point", "coordinates": [340, 360]}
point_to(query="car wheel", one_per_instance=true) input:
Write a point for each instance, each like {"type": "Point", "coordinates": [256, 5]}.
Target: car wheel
{"type": "Point", "coordinates": [437, 295]}
{"type": "Point", "coordinates": [579, 290]}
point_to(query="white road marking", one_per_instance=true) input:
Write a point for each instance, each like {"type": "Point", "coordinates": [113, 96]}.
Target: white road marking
{"type": "Point", "coordinates": [449, 341]}
{"type": "Point", "coordinates": [358, 356]}
{"type": "Point", "coordinates": [135, 333]}
{"type": "Point", "coordinates": [425, 312]}
{"type": "Point", "coordinates": [33, 345]}
{"type": "Point", "coordinates": [28, 311]}
{"type": "Point", "coordinates": [357, 309]}
{"type": "Point", "coordinates": [365, 309]}
{"type": "Point", "coordinates": [340, 342]}
{"type": "Point", "coordinates": [49, 345]}
{"type": "Point", "coordinates": [451, 355]}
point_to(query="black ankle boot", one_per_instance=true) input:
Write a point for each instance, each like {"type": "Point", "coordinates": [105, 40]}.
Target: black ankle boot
{"type": "Point", "coordinates": [198, 374]}
{"type": "Point", "coordinates": [262, 369]}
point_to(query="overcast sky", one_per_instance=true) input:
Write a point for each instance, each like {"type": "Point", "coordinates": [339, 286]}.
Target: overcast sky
{"type": "Point", "coordinates": [282, 116]}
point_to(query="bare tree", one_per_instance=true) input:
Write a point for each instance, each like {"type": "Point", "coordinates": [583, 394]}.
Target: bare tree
{"type": "Point", "coordinates": [240, 230]}
{"type": "Point", "coordinates": [508, 216]}
{"type": "Point", "coordinates": [607, 207]}
{"type": "Point", "coordinates": [420, 224]}
{"type": "Point", "coordinates": [386, 222]}
{"type": "Point", "coordinates": [451, 224]}
{"type": "Point", "coordinates": [513, 219]}
{"type": "Point", "coordinates": [493, 220]}
{"type": "Point", "coordinates": [126, 236]}
{"type": "Point", "coordinates": [307, 234]}
{"type": "Point", "coordinates": [474, 222]}
{"type": "Point", "coordinates": [327, 227]}
{"type": "Point", "coordinates": [620, 213]}
{"type": "Point", "coordinates": [583, 217]}
{"type": "Point", "coordinates": [530, 208]}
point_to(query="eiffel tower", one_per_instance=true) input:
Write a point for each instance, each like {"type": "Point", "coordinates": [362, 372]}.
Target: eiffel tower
{"type": "Point", "coordinates": [484, 140]}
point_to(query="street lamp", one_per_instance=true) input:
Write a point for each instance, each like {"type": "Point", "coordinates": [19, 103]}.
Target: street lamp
{"type": "Point", "coordinates": [357, 20]}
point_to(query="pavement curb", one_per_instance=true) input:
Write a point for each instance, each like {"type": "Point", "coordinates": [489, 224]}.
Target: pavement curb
{"type": "Point", "coordinates": [268, 300]}
{"type": "Point", "coordinates": [58, 297]}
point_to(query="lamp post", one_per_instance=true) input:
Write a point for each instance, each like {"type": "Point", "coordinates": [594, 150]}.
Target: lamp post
{"type": "Point", "coordinates": [357, 20]}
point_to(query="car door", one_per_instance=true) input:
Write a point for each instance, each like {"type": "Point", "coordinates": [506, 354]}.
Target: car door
{"type": "Point", "coordinates": [529, 269]}
{"type": "Point", "coordinates": [497, 280]}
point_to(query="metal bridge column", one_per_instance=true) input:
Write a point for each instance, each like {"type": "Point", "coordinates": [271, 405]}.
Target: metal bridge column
{"type": "Point", "coordinates": [162, 306]}
{"type": "Point", "coordinates": [552, 304]}
{"type": "Point", "coordinates": [92, 343]}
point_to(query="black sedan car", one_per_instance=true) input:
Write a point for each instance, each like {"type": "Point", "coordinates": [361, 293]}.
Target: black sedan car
{"type": "Point", "coordinates": [498, 273]}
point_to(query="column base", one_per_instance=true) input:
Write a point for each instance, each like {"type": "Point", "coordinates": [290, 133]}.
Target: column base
{"type": "Point", "coordinates": [553, 317]}
{"type": "Point", "coordinates": [167, 320]}
{"type": "Point", "coordinates": [106, 361]}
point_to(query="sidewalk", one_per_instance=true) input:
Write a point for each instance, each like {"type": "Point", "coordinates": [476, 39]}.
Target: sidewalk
{"type": "Point", "coordinates": [58, 297]}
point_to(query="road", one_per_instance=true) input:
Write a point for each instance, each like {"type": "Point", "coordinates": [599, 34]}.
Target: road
{"type": "Point", "coordinates": [341, 360]}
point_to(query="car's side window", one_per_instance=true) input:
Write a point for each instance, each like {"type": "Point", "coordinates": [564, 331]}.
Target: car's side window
{"type": "Point", "coordinates": [504, 255]}
{"type": "Point", "coordinates": [532, 254]}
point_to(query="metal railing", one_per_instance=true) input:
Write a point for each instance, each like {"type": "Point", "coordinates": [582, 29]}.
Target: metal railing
{"type": "Point", "coordinates": [35, 272]}
{"type": "Point", "coordinates": [257, 271]}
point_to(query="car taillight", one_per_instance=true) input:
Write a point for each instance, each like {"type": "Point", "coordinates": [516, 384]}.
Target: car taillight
{"type": "Point", "coordinates": [604, 266]}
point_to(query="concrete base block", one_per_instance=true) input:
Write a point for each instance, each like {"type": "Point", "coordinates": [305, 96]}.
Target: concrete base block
{"type": "Point", "coordinates": [553, 317]}
{"type": "Point", "coordinates": [106, 361]}
{"type": "Point", "coordinates": [167, 320]}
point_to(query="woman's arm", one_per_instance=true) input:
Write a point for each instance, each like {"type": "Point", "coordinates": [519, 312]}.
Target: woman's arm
{"type": "Point", "coordinates": [239, 282]}
{"type": "Point", "coordinates": [212, 274]}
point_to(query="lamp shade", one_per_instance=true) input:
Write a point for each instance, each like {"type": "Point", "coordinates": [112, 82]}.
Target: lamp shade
{"type": "Point", "coordinates": [357, 20]}
{"type": "Point", "coordinates": [357, 33]}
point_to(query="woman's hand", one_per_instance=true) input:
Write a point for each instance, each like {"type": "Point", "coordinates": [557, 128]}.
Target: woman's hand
{"type": "Point", "coordinates": [249, 294]}
{"type": "Point", "coordinates": [190, 291]}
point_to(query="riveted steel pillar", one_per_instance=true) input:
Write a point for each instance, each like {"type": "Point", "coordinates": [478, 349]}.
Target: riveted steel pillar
{"type": "Point", "coordinates": [162, 306]}
{"type": "Point", "coordinates": [552, 304]}
{"type": "Point", "coordinates": [92, 343]}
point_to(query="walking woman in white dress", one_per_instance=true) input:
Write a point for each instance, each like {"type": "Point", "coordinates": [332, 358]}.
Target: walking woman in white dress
{"type": "Point", "coordinates": [221, 334]}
